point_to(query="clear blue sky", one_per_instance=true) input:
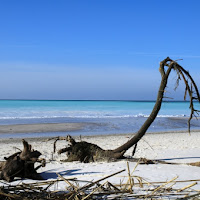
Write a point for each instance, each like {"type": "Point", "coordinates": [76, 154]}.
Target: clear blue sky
{"type": "Point", "coordinates": [97, 49]}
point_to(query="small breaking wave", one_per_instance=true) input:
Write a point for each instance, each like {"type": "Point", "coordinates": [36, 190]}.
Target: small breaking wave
{"type": "Point", "coordinates": [87, 116]}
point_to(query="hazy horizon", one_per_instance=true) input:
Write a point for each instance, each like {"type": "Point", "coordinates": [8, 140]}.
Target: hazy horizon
{"type": "Point", "coordinates": [95, 50]}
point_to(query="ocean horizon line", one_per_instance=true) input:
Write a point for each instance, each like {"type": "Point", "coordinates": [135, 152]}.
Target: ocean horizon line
{"type": "Point", "coordinates": [91, 100]}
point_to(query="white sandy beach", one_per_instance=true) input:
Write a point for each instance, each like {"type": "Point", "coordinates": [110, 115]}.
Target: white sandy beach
{"type": "Point", "coordinates": [172, 147]}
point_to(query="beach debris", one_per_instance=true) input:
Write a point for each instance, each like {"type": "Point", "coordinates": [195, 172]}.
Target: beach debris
{"type": "Point", "coordinates": [131, 187]}
{"type": "Point", "coordinates": [87, 152]}
{"type": "Point", "coordinates": [145, 161]}
{"type": "Point", "coordinates": [21, 164]}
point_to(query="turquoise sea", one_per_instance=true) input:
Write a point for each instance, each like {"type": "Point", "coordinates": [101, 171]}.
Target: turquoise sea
{"type": "Point", "coordinates": [109, 117]}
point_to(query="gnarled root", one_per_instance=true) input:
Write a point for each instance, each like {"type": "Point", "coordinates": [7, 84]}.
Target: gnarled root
{"type": "Point", "coordinates": [88, 152]}
{"type": "Point", "coordinates": [21, 164]}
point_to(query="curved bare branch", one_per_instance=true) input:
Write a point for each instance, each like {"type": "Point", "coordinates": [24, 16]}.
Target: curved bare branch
{"type": "Point", "coordinates": [170, 64]}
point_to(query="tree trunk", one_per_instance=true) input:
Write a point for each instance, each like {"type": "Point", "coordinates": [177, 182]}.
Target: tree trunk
{"type": "Point", "coordinates": [118, 152]}
{"type": "Point", "coordinates": [153, 114]}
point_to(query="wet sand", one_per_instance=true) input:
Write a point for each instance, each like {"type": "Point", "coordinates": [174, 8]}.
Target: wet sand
{"type": "Point", "coordinates": [40, 128]}
{"type": "Point", "coordinates": [91, 127]}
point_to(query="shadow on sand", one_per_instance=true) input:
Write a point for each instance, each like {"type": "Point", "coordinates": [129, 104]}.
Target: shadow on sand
{"type": "Point", "coordinates": [51, 174]}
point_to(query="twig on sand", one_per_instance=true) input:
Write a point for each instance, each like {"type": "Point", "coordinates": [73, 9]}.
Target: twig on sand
{"type": "Point", "coordinates": [93, 190]}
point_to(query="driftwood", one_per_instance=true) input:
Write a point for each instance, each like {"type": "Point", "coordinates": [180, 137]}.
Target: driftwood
{"type": "Point", "coordinates": [87, 152]}
{"type": "Point", "coordinates": [157, 161]}
{"type": "Point", "coordinates": [21, 164]}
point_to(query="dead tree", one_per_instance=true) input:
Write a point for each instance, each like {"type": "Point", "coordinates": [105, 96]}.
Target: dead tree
{"type": "Point", "coordinates": [87, 152]}
{"type": "Point", "coordinates": [21, 164]}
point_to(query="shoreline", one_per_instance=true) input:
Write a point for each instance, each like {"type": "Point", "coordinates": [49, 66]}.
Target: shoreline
{"type": "Point", "coordinates": [54, 126]}
{"type": "Point", "coordinates": [41, 127]}
{"type": "Point", "coordinates": [17, 129]}
{"type": "Point", "coordinates": [89, 127]}
{"type": "Point", "coordinates": [101, 136]}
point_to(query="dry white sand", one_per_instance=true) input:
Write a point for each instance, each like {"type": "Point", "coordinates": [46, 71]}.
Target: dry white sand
{"type": "Point", "coordinates": [173, 147]}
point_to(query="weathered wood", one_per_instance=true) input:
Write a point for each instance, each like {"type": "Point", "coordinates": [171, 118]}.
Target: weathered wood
{"type": "Point", "coordinates": [87, 152]}
{"type": "Point", "coordinates": [21, 164]}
